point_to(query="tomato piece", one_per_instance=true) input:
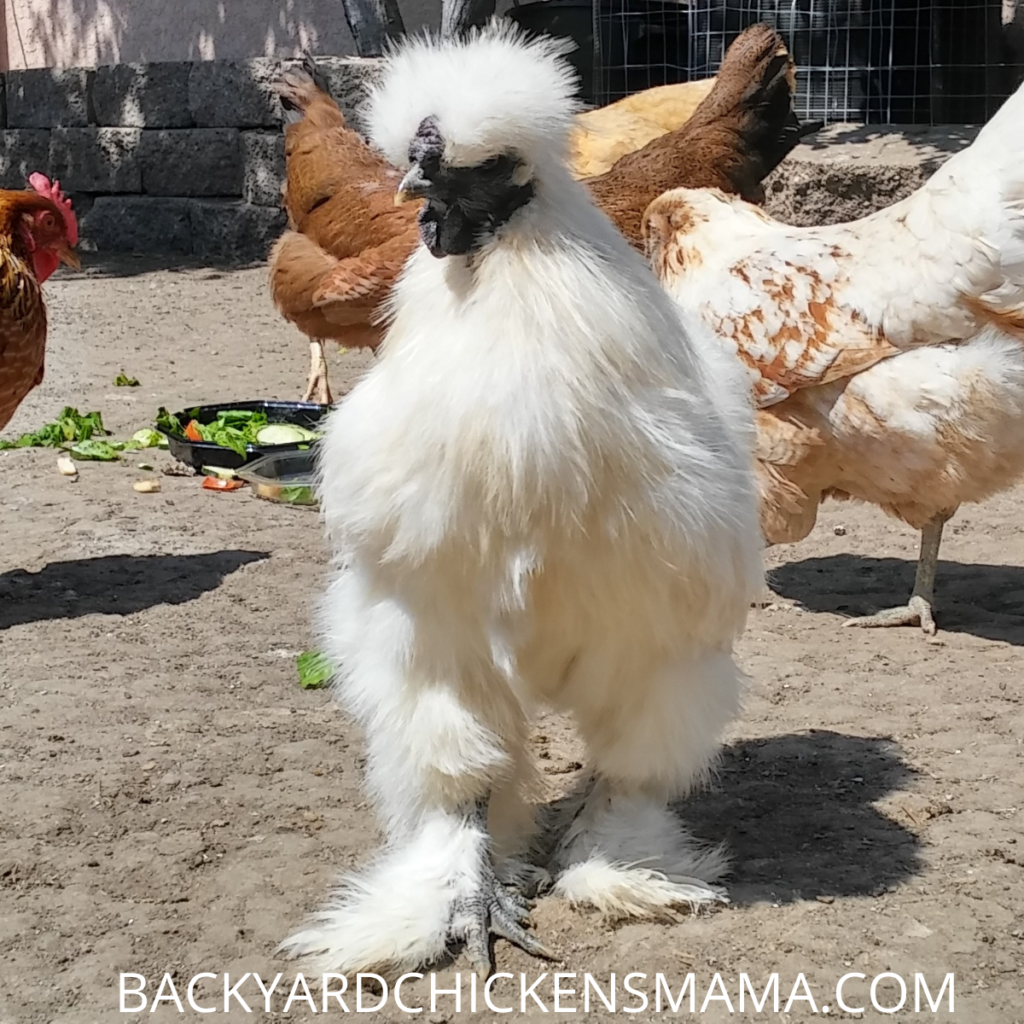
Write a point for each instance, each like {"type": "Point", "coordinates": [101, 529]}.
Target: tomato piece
{"type": "Point", "coordinates": [192, 431]}
{"type": "Point", "coordinates": [212, 483]}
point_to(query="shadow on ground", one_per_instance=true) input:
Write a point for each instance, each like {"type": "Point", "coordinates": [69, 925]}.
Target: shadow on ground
{"type": "Point", "coordinates": [797, 814]}
{"type": "Point", "coordinates": [113, 584]}
{"type": "Point", "coordinates": [983, 600]}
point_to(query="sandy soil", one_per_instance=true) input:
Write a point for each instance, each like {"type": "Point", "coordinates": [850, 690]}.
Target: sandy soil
{"type": "Point", "coordinates": [172, 801]}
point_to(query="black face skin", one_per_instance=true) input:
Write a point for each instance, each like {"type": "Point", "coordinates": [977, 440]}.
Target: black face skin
{"type": "Point", "coordinates": [464, 205]}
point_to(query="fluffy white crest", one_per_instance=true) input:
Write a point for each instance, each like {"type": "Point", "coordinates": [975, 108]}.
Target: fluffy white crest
{"type": "Point", "coordinates": [493, 92]}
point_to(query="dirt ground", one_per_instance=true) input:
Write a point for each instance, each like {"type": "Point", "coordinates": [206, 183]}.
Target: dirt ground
{"type": "Point", "coordinates": [173, 802]}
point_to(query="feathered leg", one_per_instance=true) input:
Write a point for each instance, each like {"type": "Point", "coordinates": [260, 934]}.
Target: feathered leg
{"type": "Point", "coordinates": [432, 887]}
{"type": "Point", "coordinates": [920, 609]}
{"type": "Point", "coordinates": [317, 387]}
{"type": "Point", "coordinates": [435, 753]}
{"type": "Point", "coordinates": [625, 852]}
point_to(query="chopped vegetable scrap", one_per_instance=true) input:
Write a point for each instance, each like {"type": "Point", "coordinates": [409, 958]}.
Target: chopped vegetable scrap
{"type": "Point", "coordinates": [97, 451]}
{"type": "Point", "coordinates": [124, 381]}
{"type": "Point", "coordinates": [147, 437]}
{"type": "Point", "coordinates": [216, 483]}
{"type": "Point", "coordinates": [236, 429]}
{"type": "Point", "coordinates": [70, 426]}
{"type": "Point", "coordinates": [315, 670]}
{"type": "Point", "coordinates": [291, 494]}
{"type": "Point", "coordinates": [79, 435]}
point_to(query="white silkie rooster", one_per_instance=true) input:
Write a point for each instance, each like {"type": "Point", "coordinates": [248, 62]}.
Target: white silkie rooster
{"type": "Point", "coordinates": [541, 493]}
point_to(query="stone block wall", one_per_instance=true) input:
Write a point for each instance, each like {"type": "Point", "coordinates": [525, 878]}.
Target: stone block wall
{"type": "Point", "coordinates": [188, 158]}
{"type": "Point", "coordinates": [183, 158]}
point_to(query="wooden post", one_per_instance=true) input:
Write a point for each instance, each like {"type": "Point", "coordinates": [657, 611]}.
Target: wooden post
{"type": "Point", "coordinates": [458, 16]}
{"type": "Point", "coordinates": [5, 53]}
{"type": "Point", "coordinates": [372, 23]}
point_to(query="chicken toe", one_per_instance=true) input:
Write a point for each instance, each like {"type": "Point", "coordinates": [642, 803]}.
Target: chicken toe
{"type": "Point", "coordinates": [919, 610]}
{"type": "Point", "coordinates": [916, 612]}
{"type": "Point", "coordinates": [492, 909]}
{"type": "Point", "coordinates": [523, 878]}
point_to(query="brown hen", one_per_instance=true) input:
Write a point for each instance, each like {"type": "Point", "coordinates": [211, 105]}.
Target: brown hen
{"type": "Point", "coordinates": [346, 240]}
{"type": "Point", "coordinates": [37, 230]}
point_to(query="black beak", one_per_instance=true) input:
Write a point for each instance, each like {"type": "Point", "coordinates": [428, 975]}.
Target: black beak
{"type": "Point", "coordinates": [413, 186]}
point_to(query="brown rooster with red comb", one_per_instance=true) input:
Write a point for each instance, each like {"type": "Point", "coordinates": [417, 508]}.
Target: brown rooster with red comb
{"type": "Point", "coordinates": [38, 232]}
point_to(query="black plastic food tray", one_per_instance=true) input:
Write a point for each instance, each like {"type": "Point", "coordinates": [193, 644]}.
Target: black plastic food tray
{"type": "Point", "coordinates": [204, 453]}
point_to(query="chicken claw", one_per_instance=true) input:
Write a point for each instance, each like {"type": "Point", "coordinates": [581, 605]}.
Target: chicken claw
{"type": "Point", "coordinates": [919, 610]}
{"type": "Point", "coordinates": [524, 879]}
{"type": "Point", "coordinates": [916, 612]}
{"type": "Point", "coordinates": [492, 909]}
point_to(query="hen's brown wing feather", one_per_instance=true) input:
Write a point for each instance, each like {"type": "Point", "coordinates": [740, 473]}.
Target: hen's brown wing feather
{"type": "Point", "coordinates": [361, 215]}
{"type": "Point", "coordinates": [330, 298]}
{"type": "Point", "coordinates": [363, 280]}
{"type": "Point", "coordinates": [22, 333]}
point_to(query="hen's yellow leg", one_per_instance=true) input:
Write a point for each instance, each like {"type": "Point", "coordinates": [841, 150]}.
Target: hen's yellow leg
{"type": "Point", "coordinates": [317, 388]}
{"type": "Point", "coordinates": [919, 610]}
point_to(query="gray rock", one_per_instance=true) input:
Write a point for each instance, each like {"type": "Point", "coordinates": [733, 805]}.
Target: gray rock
{"type": "Point", "coordinates": [240, 94]}
{"type": "Point", "coordinates": [139, 224]}
{"type": "Point", "coordinates": [143, 95]}
{"type": "Point", "coordinates": [22, 151]}
{"type": "Point", "coordinates": [3, 102]}
{"type": "Point", "coordinates": [849, 171]}
{"type": "Point", "coordinates": [808, 194]}
{"type": "Point", "coordinates": [191, 162]}
{"type": "Point", "coordinates": [235, 231]}
{"type": "Point", "coordinates": [350, 79]}
{"type": "Point", "coordinates": [263, 167]}
{"type": "Point", "coordinates": [96, 159]}
{"type": "Point", "coordinates": [234, 93]}
{"type": "Point", "coordinates": [48, 98]}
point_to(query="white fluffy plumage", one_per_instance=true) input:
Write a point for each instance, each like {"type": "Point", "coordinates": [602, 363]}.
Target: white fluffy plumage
{"type": "Point", "coordinates": [521, 98]}
{"type": "Point", "coordinates": [540, 494]}
{"type": "Point", "coordinates": [885, 355]}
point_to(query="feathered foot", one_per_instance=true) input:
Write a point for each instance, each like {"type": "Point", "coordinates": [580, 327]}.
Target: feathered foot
{"type": "Point", "coordinates": [920, 609]}
{"type": "Point", "coordinates": [629, 857]}
{"type": "Point", "coordinates": [403, 912]}
{"type": "Point", "coordinates": [317, 388]}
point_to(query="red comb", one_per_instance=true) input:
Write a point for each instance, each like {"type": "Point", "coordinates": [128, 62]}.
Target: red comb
{"type": "Point", "coordinates": [41, 184]}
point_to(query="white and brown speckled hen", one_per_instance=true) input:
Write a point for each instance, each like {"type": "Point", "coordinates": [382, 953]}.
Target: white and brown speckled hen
{"type": "Point", "coordinates": [885, 355]}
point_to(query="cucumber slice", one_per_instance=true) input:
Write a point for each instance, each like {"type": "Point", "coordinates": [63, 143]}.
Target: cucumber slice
{"type": "Point", "coordinates": [283, 433]}
{"type": "Point", "coordinates": [148, 438]}
{"type": "Point", "coordinates": [220, 472]}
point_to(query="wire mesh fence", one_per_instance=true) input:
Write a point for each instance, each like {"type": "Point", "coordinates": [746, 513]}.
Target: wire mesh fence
{"type": "Point", "coordinates": [877, 61]}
